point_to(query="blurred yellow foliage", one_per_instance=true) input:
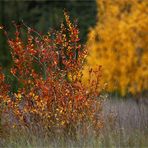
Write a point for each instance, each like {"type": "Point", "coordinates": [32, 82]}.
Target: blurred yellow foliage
{"type": "Point", "coordinates": [119, 42]}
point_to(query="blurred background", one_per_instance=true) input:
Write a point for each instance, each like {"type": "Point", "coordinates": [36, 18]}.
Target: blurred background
{"type": "Point", "coordinates": [115, 33]}
{"type": "Point", "coordinates": [43, 15]}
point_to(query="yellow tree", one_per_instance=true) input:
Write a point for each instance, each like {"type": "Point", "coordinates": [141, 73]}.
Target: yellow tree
{"type": "Point", "coordinates": [119, 42]}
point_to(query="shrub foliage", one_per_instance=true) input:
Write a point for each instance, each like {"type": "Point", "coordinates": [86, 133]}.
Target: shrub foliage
{"type": "Point", "coordinates": [50, 93]}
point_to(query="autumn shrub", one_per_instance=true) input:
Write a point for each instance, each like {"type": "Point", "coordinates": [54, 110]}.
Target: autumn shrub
{"type": "Point", "coordinates": [118, 42]}
{"type": "Point", "coordinates": [50, 93]}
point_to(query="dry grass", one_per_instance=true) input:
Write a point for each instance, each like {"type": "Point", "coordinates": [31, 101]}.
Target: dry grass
{"type": "Point", "coordinates": [130, 128]}
{"type": "Point", "coordinates": [126, 125]}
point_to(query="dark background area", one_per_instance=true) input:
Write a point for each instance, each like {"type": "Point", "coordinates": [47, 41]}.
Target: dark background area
{"type": "Point", "coordinates": [43, 15]}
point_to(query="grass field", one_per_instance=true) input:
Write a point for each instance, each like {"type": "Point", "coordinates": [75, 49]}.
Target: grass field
{"type": "Point", "coordinates": [130, 128]}
{"type": "Point", "coordinates": [126, 125]}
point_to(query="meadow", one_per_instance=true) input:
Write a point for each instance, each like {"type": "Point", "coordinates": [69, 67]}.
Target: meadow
{"type": "Point", "coordinates": [125, 127]}
{"type": "Point", "coordinates": [60, 93]}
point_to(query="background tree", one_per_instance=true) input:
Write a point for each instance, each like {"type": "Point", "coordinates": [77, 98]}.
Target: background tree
{"type": "Point", "coordinates": [45, 14]}
{"type": "Point", "coordinates": [3, 51]}
{"type": "Point", "coordinates": [118, 42]}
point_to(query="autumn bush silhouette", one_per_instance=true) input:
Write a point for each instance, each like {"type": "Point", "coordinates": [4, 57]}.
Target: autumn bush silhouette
{"type": "Point", "coordinates": [48, 72]}
{"type": "Point", "coordinates": [118, 42]}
